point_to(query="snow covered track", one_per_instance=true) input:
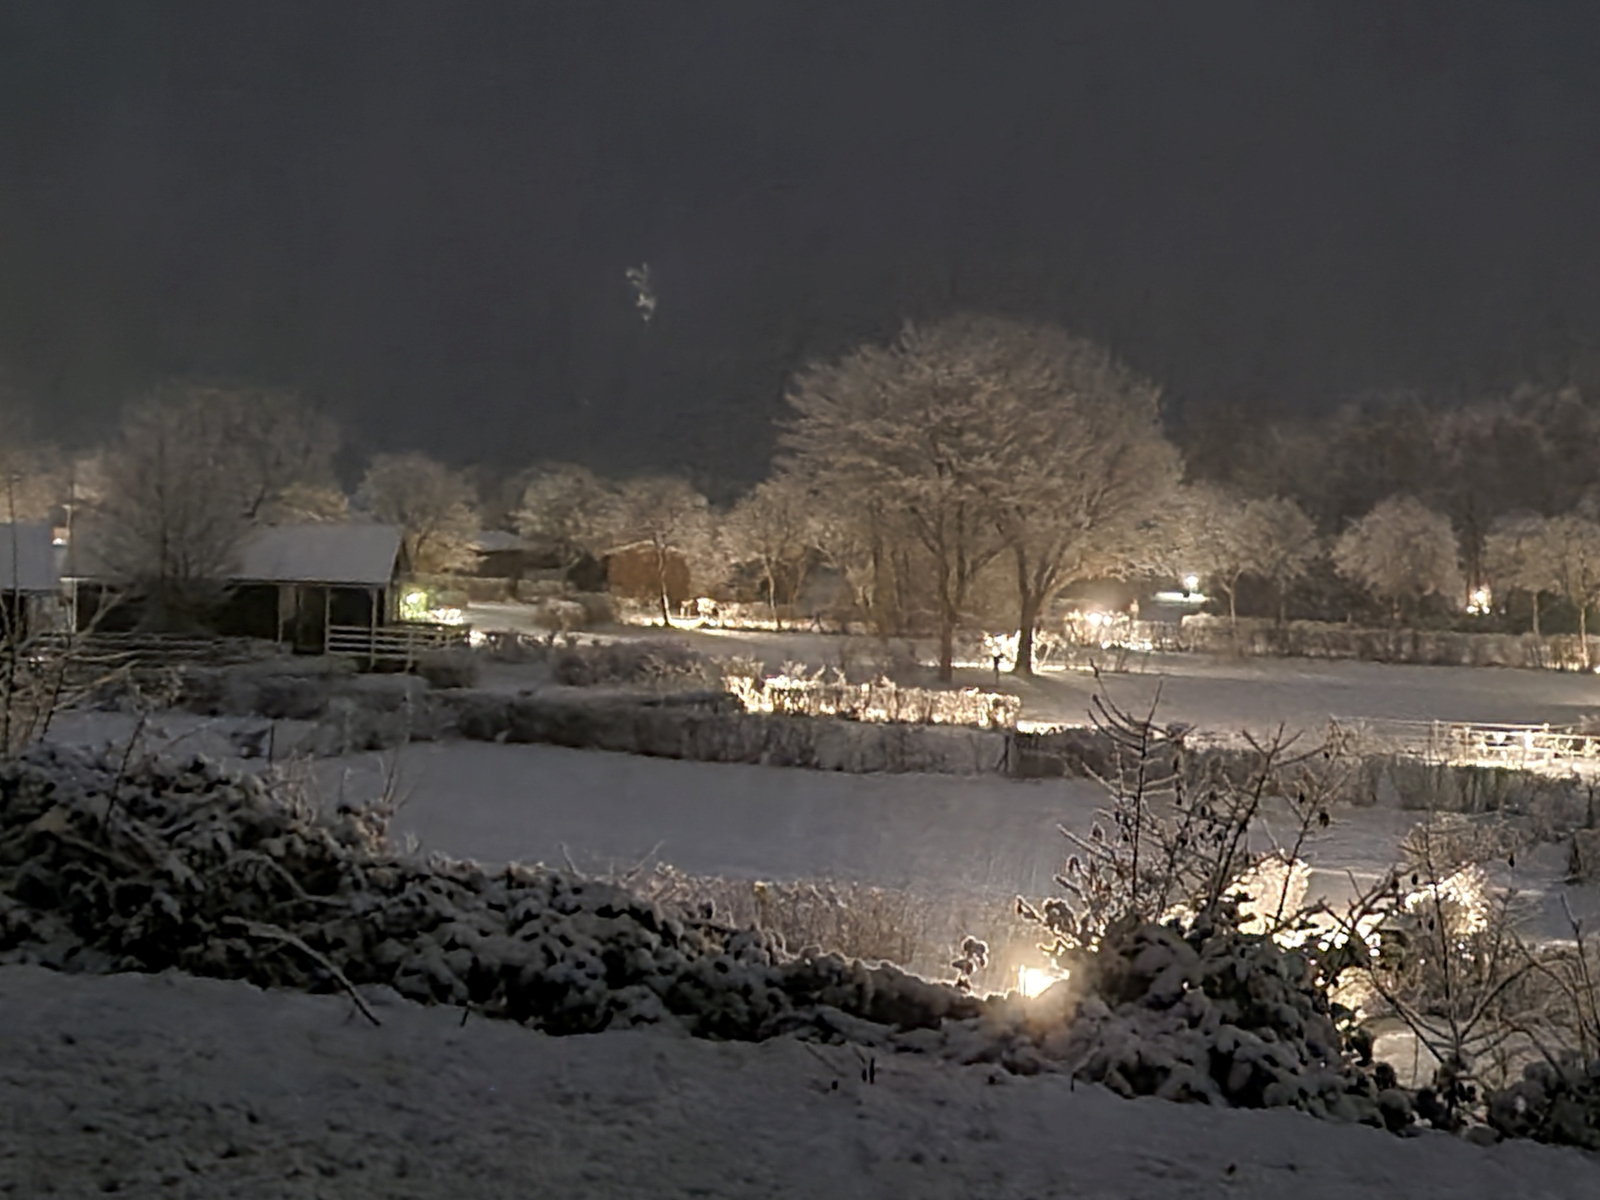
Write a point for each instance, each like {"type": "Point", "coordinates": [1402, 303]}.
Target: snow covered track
{"type": "Point", "coordinates": [182, 1087]}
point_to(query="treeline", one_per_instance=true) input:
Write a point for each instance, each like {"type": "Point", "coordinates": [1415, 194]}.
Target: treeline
{"type": "Point", "coordinates": [966, 473]}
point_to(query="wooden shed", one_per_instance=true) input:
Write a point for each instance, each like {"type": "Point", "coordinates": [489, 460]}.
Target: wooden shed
{"type": "Point", "coordinates": [295, 583]}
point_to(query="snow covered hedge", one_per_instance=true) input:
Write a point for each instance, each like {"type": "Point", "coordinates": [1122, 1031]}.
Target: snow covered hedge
{"type": "Point", "coordinates": [157, 865]}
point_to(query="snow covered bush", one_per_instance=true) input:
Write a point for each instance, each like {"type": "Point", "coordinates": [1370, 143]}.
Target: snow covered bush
{"type": "Point", "coordinates": [630, 664]}
{"type": "Point", "coordinates": [150, 865]}
{"type": "Point", "coordinates": [797, 692]}
{"type": "Point", "coordinates": [1214, 1015]}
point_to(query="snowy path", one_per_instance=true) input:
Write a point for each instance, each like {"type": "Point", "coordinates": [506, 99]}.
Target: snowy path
{"type": "Point", "coordinates": [171, 1086]}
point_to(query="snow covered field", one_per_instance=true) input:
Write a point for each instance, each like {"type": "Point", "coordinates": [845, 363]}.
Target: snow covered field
{"type": "Point", "coordinates": [181, 1087]}
{"type": "Point", "coordinates": [1222, 695]}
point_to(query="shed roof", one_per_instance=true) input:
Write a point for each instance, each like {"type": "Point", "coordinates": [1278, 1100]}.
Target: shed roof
{"type": "Point", "coordinates": [28, 559]}
{"type": "Point", "coordinates": [348, 553]}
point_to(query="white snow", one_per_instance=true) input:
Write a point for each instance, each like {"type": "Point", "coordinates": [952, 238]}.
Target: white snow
{"type": "Point", "coordinates": [173, 1086]}
{"type": "Point", "coordinates": [354, 552]}
{"type": "Point", "coordinates": [1221, 695]}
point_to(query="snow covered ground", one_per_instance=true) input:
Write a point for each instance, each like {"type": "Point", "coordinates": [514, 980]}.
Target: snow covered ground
{"type": "Point", "coordinates": [974, 840]}
{"type": "Point", "coordinates": [1222, 695]}
{"type": "Point", "coordinates": [181, 1087]}
{"type": "Point", "coordinates": [983, 840]}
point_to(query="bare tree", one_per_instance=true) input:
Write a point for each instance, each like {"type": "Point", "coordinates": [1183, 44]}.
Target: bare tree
{"type": "Point", "coordinates": [281, 448]}
{"type": "Point", "coordinates": [434, 505]}
{"type": "Point", "coordinates": [565, 508]}
{"type": "Point", "coordinates": [1401, 551]}
{"type": "Point", "coordinates": [172, 508]}
{"type": "Point", "coordinates": [774, 526]}
{"type": "Point", "coordinates": [307, 502]}
{"type": "Point", "coordinates": [671, 518]}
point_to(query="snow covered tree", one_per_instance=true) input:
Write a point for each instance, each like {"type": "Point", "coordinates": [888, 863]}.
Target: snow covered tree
{"type": "Point", "coordinates": [1216, 541]}
{"type": "Point", "coordinates": [988, 437]}
{"type": "Point", "coordinates": [670, 517]}
{"type": "Point", "coordinates": [773, 526]}
{"type": "Point", "coordinates": [1400, 551]}
{"type": "Point", "coordinates": [1286, 541]}
{"type": "Point", "coordinates": [433, 505]}
{"type": "Point", "coordinates": [908, 426]}
{"type": "Point", "coordinates": [1521, 553]}
{"type": "Point", "coordinates": [1078, 461]}
{"type": "Point", "coordinates": [565, 507]}
{"type": "Point", "coordinates": [1574, 550]}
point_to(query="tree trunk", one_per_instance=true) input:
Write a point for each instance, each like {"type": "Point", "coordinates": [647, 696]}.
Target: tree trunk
{"type": "Point", "coordinates": [1283, 604]}
{"type": "Point", "coordinates": [1233, 607]}
{"type": "Point", "coordinates": [1029, 618]}
{"type": "Point", "coordinates": [772, 598]}
{"type": "Point", "coordinates": [1583, 631]}
{"type": "Point", "coordinates": [1535, 595]}
{"type": "Point", "coordinates": [947, 647]}
{"type": "Point", "coordinates": [1032, 599]}
{"type": "Point", "coordinates": [661, 587]}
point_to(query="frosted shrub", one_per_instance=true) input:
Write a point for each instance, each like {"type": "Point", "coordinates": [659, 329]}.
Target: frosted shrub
{"type": "Point", "coordinates": [629, 663]}
{"type": "Point", "coordinates": [799, 694]}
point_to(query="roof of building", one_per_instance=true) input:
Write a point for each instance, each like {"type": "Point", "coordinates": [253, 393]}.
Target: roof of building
{"type": "Point", "coordinates": [349, 553]}
{"type": "Point", "coordinates": [28, 559]}
{"type": "Point", "coordinates": [493, 541]}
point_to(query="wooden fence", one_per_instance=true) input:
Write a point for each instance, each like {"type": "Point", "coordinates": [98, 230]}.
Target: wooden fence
{"type": "Point", "coordinates": [393, 645]}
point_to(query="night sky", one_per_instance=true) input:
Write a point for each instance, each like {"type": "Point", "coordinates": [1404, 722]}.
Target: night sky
{"type": "Point", "coordinates": [422, 213]}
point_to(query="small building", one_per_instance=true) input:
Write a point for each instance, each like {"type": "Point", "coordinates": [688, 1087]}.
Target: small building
{"type": "Point", "coordinates": [294, 583]}
{"type": "Point", "coordinates": [635, 573]}
{"type": "Point", "coordinates": [30, 580]}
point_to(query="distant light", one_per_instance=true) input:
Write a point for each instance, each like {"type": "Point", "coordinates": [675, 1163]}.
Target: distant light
{"type": "Point", "coordinates": [1479, 601]}
{"type": "Point", "coordinates": [1031, 980]}
{"type": "Point", "coordinates": [1095, 618]}
{"type": "Point", "coordinates": [1191, 583]}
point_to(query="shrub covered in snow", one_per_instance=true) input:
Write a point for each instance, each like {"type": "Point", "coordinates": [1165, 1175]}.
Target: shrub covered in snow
{"type": "Point", "coordinates": [167, 865]}
{"type": "Point", "coordinates": [629, 664]}
{"type": "Point", "coordinates": [798, 694]}
{"type": "Point", "coordinates": [1553, 1102]}
{"type": "Point", "coordinates": [1217, 1016]}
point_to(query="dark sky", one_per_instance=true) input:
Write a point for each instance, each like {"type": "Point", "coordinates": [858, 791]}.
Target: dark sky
{"type": "Point", "coordinates": [422, 212]}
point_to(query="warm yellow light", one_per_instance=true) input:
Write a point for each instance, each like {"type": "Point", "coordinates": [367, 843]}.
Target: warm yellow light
{"type": "Point", "coordinates": [1031, 980]}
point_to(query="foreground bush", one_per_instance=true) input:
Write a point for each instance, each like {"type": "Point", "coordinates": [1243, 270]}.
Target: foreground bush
{"type": "Point", "coordinates": [180, 865]}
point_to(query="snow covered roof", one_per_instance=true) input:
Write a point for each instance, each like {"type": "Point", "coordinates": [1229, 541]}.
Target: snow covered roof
{"type": "Point", "coordinates": [489, 541]}
{"type": "Point", "coordinates": [28, 559]}
{"type": "Point", "coordinates": [340, 553]}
